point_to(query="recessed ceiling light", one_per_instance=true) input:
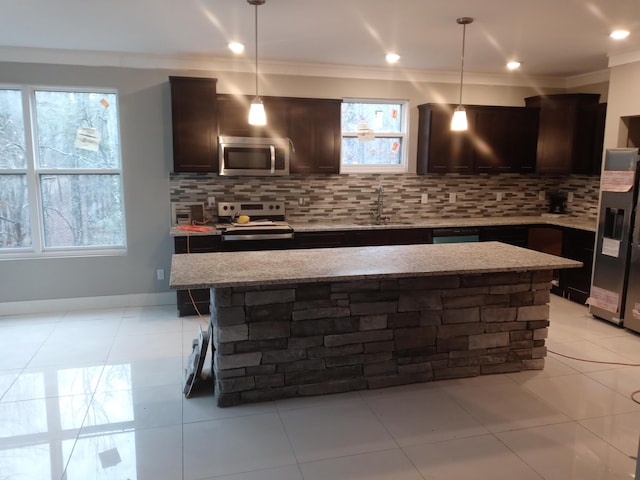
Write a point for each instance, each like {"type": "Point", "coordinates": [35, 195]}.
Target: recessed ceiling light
{"type": "Point", "coordinates": [619, 34]}
{"type": "Point", "coordinates": [236, 47]}
{"type": "Point", "coordinates": [392, 57]}
{"type": "Point", "coordinates": [513, 65]}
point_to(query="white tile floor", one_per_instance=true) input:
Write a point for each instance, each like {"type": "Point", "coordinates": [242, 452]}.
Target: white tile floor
{"type": "Point", "coordinates": [98, 395]}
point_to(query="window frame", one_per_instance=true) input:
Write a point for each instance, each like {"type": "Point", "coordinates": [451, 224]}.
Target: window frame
{"type": "Point", "coordinates": [403, 167]}
{"type": "Point", "coordinates": [33, 174]}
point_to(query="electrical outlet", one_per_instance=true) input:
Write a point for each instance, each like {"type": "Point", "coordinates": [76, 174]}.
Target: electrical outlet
{"type": "Point", "coordinates": [160, 274]}
{"type": "Point", "coordinates": [498, 196]}
{"type": "Point", "coordinates": [569, 197]}
{"type": "Point", "coordinates": [303, 201]}
{"type": "Point", "coordinates": [542, 195]}
{"type": "Point", "coordinates": [424, 198]}
{"type": "Point", "coordinates": [211, 201]}
{"type": "Point", "coordinates": [452, 197]}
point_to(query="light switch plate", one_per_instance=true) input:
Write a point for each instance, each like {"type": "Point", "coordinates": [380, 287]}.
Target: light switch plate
{"type": "Point", "coordinates": [424, 198]}
{"type": "Point", "coordinates": [569, 197]}
{"type": "Point", "coordinates": [452, 197]}
{"type": "Point", "coordinates": [542, 195]}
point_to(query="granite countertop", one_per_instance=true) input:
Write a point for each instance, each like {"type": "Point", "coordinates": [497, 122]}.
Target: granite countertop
{"type": "Point", "coordinates": [545, 219]}
{"type": "Point", "coordinates": [227, 269]}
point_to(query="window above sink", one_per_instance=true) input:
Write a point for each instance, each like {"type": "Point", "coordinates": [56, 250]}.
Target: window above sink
{"type": "Point", "coordinates": [374, 136]}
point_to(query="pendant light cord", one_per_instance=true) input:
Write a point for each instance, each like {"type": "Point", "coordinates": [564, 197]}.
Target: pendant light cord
{"type": "Point", "coordinates": [464, 31]}
{"type": "Point", "coordinates": [256, 39]}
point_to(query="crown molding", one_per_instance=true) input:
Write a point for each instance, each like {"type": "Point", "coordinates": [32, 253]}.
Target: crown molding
{"type": "Point", "coordinates": [243, 65]}
{"type": "Point", "coordinates": [624, 58]}
{"type": "Point", "coordinates": [600, 76]}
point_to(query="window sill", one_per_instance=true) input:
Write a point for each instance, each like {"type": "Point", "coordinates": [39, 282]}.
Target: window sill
{"type": "Point", "coordinates": [25, 254]}
{"type": "Point", "coordinates": [373, 169]}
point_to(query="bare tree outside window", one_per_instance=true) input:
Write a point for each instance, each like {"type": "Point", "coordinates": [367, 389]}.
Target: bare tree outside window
{"type": "Point", "coordinates": [76, 169]}
{"type": "Point", "coordinates": [373, 136]}
{"type": "Point", "coordinates": [15, 228]}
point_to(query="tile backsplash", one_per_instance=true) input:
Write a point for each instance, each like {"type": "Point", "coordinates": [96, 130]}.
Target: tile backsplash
{"type": "Point", "coordinates": [335, 198]}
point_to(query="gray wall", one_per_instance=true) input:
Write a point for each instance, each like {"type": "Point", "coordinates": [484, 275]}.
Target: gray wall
{"type": "Point", "coordinates": [147, 159]}
{"type": "Point", "coordinates": [146, 154]}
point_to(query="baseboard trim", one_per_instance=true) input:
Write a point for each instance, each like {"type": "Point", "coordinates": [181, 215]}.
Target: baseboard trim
{"type": "Point", "coordinates": [87, 303]}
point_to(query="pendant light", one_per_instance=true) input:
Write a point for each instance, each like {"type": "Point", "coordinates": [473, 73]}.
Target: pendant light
{"type": "Point", "coordinates": [459, 120]}
{"type": "Point", "coordinates": [257, 115]}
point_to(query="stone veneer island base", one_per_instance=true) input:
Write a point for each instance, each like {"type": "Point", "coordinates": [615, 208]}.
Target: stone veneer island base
{"type": "Point", "coordinates": [310, 322]}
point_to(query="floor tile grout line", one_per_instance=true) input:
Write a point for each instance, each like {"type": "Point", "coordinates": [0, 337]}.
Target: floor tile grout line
{"type": "Point", "coordinates": [400, 448]}
{"type": "Point", "coordinates": [93, 394]}
{"type": "Point", "coordinates": [524, 462]}
{"type": "Point", "coordinates": [289, 442]}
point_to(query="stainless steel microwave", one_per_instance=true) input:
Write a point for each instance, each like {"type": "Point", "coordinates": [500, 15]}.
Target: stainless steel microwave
{"type": "Point", "coordinates": [253, 155]}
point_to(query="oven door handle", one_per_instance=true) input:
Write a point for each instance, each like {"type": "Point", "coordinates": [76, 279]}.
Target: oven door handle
{"type": "Point", "coordinates": [273, 158]}
{"type": "Point", "coordinates": [257, 236]}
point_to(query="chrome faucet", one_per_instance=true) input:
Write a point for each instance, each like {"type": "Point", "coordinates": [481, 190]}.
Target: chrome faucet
{"type": "Point", "coordinates": [378, 213]}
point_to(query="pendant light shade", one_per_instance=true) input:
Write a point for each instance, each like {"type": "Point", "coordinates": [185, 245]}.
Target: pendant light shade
{"type": "Point", "coordinates": [257, 115]}
{"type": "Point", "coordinates": [459, 120]}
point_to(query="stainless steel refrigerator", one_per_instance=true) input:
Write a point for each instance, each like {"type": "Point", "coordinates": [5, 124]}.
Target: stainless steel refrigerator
{"type": "Point", "coordinates": [616, 271]}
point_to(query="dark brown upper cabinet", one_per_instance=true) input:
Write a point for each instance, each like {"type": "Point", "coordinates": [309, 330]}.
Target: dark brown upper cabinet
{"type": "Point", "coordinates": [233, 117]}
{"type": "Point", "coordinates": [312, 125]}
{"type": "Point", "coordinates": [570, 133]}
{"type": "Point", "coordinates": [499, 139]}
{"type": "Point", "coordinates": [439, 149]}
{"type": "Point", "coordinates": [504, 139]}
{"type": "Point", "coordinates": [314, 129]}
{"type": "Point", "coordinates": [194, 124]}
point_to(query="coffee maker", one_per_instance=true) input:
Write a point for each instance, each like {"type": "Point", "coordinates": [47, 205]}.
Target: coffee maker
{"type": "Point", "coordinates": [558, 202]}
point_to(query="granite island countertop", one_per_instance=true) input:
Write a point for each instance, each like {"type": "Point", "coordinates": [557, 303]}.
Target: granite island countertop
{"type": "Point", "coordinates": [273, 267]}
{"type": "Point", "coordinates": [580, 223]}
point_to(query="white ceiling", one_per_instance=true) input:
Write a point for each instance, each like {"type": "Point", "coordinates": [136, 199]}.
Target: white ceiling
{"type": "Point", "coordinates": [553, 38]}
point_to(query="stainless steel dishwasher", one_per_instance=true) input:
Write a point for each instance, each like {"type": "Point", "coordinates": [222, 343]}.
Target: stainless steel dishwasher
{"type": "Point", "coordinates": [456, 235]}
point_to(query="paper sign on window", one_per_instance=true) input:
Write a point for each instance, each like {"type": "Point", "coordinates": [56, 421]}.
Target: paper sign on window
{"type": "Point", "coordinates": [88, 139]}
{"type": "Point", "coordinates": [617, 181]}
{"type": "Point", "coordinates": [611, 247]}
{"type": "Point", "coordinates": [378, 120]}
{"type": "Point", "coordinates": [365, 134]}
{"type": "Point", "coordinates": [604, 299]}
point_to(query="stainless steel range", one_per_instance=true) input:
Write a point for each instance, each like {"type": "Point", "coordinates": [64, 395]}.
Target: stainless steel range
{"type": "Point", "coordinates": [267, 223]}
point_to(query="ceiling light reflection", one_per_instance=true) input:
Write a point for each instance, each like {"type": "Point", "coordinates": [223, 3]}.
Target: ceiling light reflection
{"type": "Point", "coordinates": [513, 65]}
{"type": "Point", "coordinates": [236, 47]}
{"type": "Point", "coordinates": [619, 34]}
{"type": "Point", "coordinates": [392, 57]}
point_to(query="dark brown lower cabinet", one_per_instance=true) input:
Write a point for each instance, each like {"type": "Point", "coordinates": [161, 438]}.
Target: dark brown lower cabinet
{"type": "Point", "coordinates": [511, 234]}
{"type": "Point", "coordinates": [573, 283]}
{"type": "Point", "coordinates": [548, 239]}
{"type": "Point", "coordinates": [200, 297]}
{"type": "Point", "coordinates": [576, 282]}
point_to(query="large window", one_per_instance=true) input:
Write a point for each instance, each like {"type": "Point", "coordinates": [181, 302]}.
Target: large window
{"type": "Point", "coordinates": [60, 172]}
{"type": "Point", "coordinates": [374, 137]}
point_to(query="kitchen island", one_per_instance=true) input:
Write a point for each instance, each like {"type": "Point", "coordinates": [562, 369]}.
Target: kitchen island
{"type": "Point", "coordinates": [307, 322]}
